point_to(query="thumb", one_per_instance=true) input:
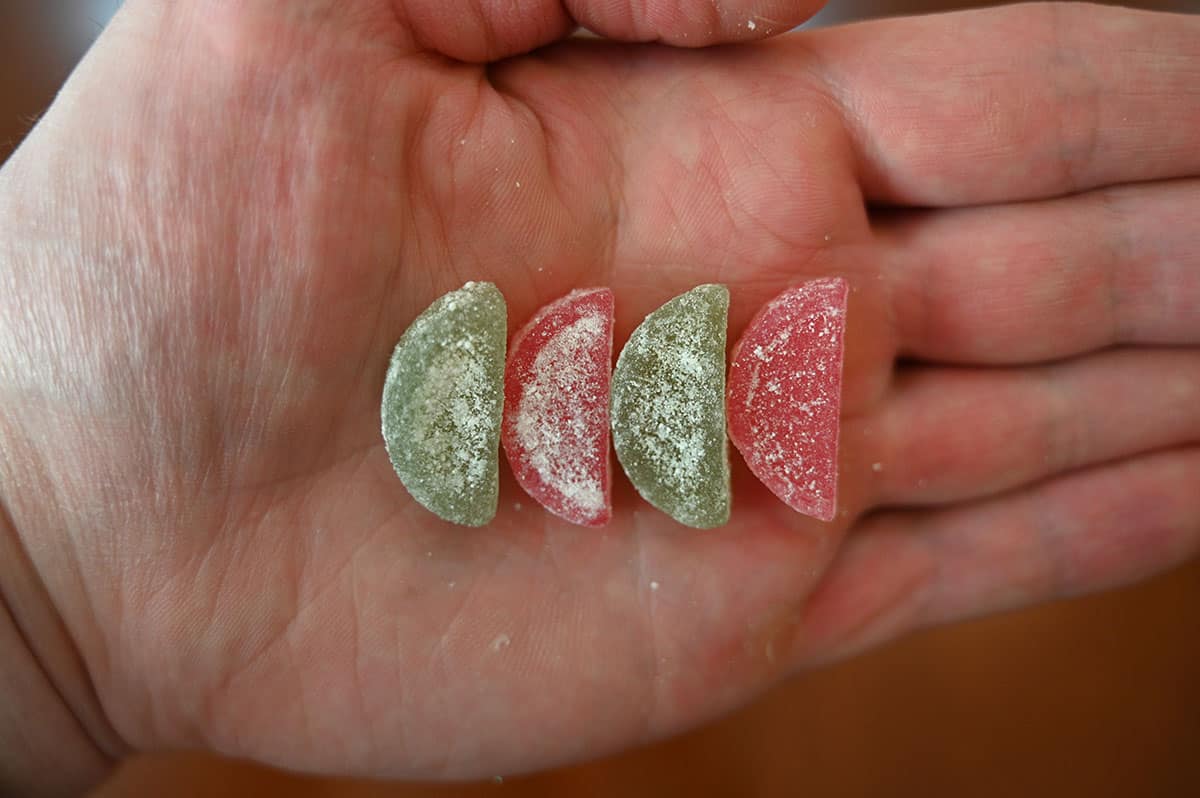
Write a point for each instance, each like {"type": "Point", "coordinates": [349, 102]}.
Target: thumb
{"type": "Point", "coordinates": [487, 30]}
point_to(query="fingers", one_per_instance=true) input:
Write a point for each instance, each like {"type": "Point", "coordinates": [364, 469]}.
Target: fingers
{"type": "Point", "coordinates": [1019, 102]}
{"type": "Point", "coordinates": [485, 30]}
{"type": "Point", "coordinates": [488, 30]}
{"type": "Point", "coordinates": [948, 435]}
{"type": "Point", "coordinates": [1050, 279]}
{"type": "Point", "coordinates": [1081, 533]}
{"type": "Point", "coordinates": [691, 23]}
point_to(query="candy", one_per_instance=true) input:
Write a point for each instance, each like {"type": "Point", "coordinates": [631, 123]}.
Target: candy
{"type": "Point", "coordinates": [442, 403]}
{"type": "Point", "coordinates": [668, 408]}
{"type": "Point", "coordinates": [785, 394]}
{"type": "Point", "coordinates": [556, 393]}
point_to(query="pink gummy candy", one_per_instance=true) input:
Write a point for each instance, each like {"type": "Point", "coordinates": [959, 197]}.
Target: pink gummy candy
{"type": "Point", "coordinates": [784, 394]}
{"type": "Point", "coordinates": [556, 392]}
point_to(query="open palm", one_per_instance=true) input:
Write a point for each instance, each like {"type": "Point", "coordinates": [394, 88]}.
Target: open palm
{"type": "Point", "coordinates": [259, 197]}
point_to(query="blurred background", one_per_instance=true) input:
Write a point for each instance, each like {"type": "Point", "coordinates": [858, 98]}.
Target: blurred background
{"type": "Point", "coordinates": [1093, 697]}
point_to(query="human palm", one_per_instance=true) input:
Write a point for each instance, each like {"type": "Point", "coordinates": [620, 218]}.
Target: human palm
{"type": "Point", "coordinates": [262, 196]}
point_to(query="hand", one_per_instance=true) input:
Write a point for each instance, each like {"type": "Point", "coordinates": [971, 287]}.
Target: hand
{"type": "Point", "coordinates": [220, 230]}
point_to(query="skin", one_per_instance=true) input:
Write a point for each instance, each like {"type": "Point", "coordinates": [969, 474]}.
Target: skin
{"type": "Point", "coordinates": [215, 236]}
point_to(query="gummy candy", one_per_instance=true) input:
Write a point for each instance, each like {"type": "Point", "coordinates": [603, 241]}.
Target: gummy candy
{"type": "Point", "coordinates": [784, 394]}
{"type": "Point", "coordinates": [442, 404]}
{"type": "Point", "coordinates": [668, 408]}
{"type": "Point", "coordinates": [556, 422]}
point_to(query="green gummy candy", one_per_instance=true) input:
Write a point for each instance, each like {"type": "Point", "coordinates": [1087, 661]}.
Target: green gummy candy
{"type": "Point", "coordinates": [442, 403]}
{"type": "Point", "coordinates": [668, 408]}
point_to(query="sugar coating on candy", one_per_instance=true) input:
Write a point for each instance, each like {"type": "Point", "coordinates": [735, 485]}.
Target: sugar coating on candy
{"type": "Point", "coordinates": [785, 389]}
{"type": "Point", "coordinates": [668, 408]}
{"type": "Point", "coordinates": [442, 404]}
{"type": "Point", "coordinates": [556, 388]}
